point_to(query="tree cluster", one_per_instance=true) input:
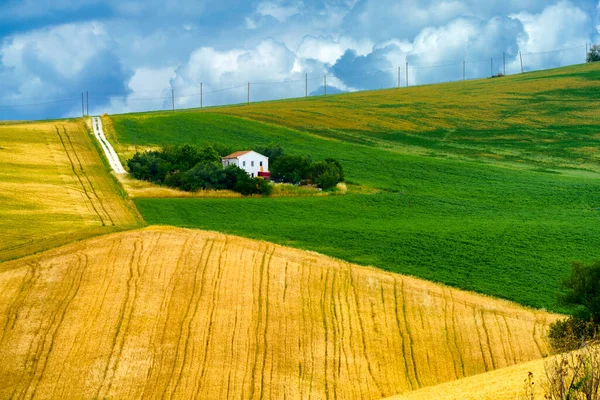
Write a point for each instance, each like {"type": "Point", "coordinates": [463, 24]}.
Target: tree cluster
{"type": "Point", "coordinates": [594, 54]}
{"type": "Point", "coordinates": [581, 294]}
{"type": "Point", "coordinates": [191, 168]}
{"type": "Point", "coordinates": [299, 169]}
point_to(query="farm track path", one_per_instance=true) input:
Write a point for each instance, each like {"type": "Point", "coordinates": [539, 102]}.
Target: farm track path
{"type": "Point", "coordinates": [109, 152]}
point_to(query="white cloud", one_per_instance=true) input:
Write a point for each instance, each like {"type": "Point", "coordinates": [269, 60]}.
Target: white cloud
{"type": "Point", "coordinates": [68, 48]}
{"type": "Point", "coordinates": [266, 62]}
{"type": "Point", "coordinates": [559, 26]}
{"type": "Point", "coordinates": [327, 50]}
{"type": "Point", "coordinates": [278, 10]}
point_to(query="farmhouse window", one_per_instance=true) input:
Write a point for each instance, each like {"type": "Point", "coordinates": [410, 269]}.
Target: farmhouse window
{"type": "Point", "coordinates": [243, 163]}
{"type": "Point", "coordinates": [261, 163]}
{"type": "Point", "coordinates": [252, 163]}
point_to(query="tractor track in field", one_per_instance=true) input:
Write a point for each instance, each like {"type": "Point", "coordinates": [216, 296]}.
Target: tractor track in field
{"type": "Point", "coordinates": [171, 313]}
{"type": "Point", "coordinates": [79, 172]}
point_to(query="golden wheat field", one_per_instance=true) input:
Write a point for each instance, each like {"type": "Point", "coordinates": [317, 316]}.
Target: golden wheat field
{"type": "Point", "coordinates": [54, 188]}
{"type": "Point", "coordinates": [502, 384]}
{"type": "Point", "coordinates": [174, 313]}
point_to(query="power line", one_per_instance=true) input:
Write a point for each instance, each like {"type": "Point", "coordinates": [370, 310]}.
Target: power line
{"type": "Point", "coordinates": [193, 90]}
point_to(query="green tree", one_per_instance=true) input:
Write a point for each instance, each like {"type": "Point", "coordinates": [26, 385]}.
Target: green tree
{"type": "Point", "coordinates": [594, 54]}
{"type": "Point", "coordinates": [291, 169]}
{"type": "Point", "coordinates": [273, 151]}
{"type": "Point", "coordinates": [581, 291]}
{"type": "Point", "coordinates": [327, 173]}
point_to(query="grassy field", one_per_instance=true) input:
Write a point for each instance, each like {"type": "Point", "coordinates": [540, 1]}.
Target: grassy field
{"type": "Point", "coordinates": [54, 188]}
{"type": "Point", "coordinates": [454, 208]}
{"type": "Point", "coordinates": [165, 312]}
{"type": "Point", "coordinates": [548, 118]}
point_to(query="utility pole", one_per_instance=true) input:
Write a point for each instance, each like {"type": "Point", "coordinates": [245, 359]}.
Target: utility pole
{"type": "Point", "coordinates": [407, 74]}
{"type": "Point", "coordinates": [492, 67]}
{"type": "Point", "coordinates": [306, 85]}
{"type": "Point", "coordinates": [504, 63]}
{"type": "Point", "coordinates": [87, 103]}
{"type": "Point", "coordinates": [325, 84]}
{"type": "Point", "coordinates": [248, 93]}
{"type": "Point", "coordinates": [398, 77]}
{"type": "Point", "coordinates": [173, 98]}
{"type": "Point", "coordinates": [464, 70]}
{"type": "Point", "coordinates": [586, 51]}
{"type": "Point", "coordinates": [200, 94]}
{"type": "Point", "coordinates": [82, 110]}
{"type": "Point", "coordinates": [521, 58]}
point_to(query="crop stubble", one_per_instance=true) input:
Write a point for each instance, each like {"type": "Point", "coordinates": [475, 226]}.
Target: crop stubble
{"type": "Point", "coordinates": [166, 312]}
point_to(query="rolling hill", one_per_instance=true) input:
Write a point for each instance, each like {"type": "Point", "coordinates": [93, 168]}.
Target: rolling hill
{"type": "Point", "coordinates": [173, 313]}
{"type": "Point", "coordinates": [54, 188]}
{"type": "Point", "coordinates": [489, 185]}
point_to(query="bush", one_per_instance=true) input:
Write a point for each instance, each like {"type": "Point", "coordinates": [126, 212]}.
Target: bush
{"type": "Point", "coordinates": [570, 334]}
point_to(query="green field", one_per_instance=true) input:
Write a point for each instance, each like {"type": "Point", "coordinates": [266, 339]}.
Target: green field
{"type": "Point", "coordinates": [487, 185]}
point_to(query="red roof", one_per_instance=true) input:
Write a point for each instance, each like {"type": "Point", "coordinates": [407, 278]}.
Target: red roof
{"type": "Point", "coordinates": [237, 154]}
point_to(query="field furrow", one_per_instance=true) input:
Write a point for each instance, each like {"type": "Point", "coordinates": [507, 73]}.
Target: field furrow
{"type": "Point", "coordinates": [172, 313]}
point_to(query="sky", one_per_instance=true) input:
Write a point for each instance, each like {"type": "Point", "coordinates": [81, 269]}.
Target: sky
{"type": "Point", "coordinates": [135, 55]}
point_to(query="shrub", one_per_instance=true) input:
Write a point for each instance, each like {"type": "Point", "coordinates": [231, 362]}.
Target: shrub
{"type": "Point", "coordinates": [570, 334]}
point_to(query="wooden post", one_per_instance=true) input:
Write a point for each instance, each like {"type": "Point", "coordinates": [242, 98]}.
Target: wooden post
{"type": "Point", "coordinates": [248, 93]}
{"type": "Point", "coordinates": [325, 84]}
{"type": "Point", "coordinates": [521, 58]}
{"type": "Point", "coordinates": [306, 85]}
{"type": "Point", "coordinates": [492, 67]}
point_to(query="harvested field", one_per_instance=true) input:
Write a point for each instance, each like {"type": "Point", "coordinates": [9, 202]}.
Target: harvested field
{"type": "Point", "coordinates": [54, 188]}
{"type": "Point", "coordinates": [174, 313]}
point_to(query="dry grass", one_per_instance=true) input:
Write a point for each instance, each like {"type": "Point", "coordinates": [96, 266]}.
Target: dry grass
{"type": "Point", "coordinates": [54, 188]}
{"type": "Point", "coordinates": [142, 189]}
{"type": "Point", "coordinates": [165, 312]}
{"type": "Point", "coordinates": [502, 384]}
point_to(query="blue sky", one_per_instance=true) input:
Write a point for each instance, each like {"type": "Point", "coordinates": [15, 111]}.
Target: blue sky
{"type": "Point", "coordinates": [130, 54]}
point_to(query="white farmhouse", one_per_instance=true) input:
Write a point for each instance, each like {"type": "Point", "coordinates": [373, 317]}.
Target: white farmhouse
{"type": "Point", "coordinates": [253, 163]}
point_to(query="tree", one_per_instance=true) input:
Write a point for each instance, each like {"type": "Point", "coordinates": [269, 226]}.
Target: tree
{"type": "Point", "coordinates": [581, 291]}
{"type": "Point", "coordinates": [273, 151]}
{"type": "Point", "coordinates": [594, 54]}
{"type": "Point", "coordinates": [291, 169]}
{"type": "Point", "coordinates": [326, 174]}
